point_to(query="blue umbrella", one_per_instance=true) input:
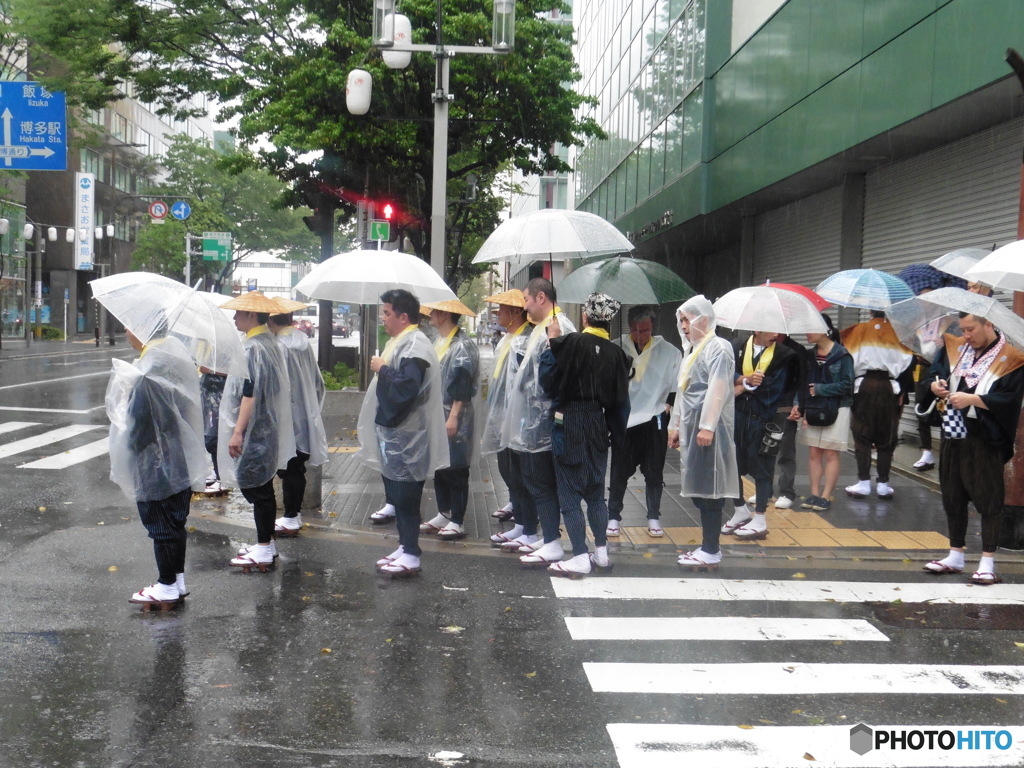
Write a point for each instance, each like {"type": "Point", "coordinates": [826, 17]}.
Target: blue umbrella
{"type": "Point", "coordinates": [864, 289]}
{"type": "Point", "coordinates": [923, 277]}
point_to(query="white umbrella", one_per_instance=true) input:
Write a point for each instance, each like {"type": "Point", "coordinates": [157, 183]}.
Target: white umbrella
{"type": "Point", "coordinates": [360, 277]}
{"type": "Point", "coordinates": [1003, 268]}
{"type": "Point", "coordinates": [767, 308]}
{"type": "Point", "coordinates": [919, 321]}
{"type": "Point", "coordinates": [551, 234]}
{"type": "Point", "coordinates": [958, 262]}
{"type": "Point", "coordinates": [152, 305]}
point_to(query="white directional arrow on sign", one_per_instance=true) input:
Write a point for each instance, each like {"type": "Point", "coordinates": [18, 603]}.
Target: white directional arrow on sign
{"type": "Point", "coordinates": [10, 151]}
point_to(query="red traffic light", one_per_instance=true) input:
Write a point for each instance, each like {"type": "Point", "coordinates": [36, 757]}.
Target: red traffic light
{"type": "Point", "coordinates": [389, 211]}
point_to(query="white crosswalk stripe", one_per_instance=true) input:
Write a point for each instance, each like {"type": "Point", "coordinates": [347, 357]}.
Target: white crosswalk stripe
{"type": "Point", "coordinates": [52, 437]}
{"type": "Point", "coordinates": [765, 744]}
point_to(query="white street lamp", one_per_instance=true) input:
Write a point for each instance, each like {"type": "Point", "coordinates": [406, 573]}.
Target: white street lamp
{"type": "Point", "coordinates": [69, 236]}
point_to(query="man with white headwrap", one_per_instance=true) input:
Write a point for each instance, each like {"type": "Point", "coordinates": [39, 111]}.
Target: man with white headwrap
{"type": "Point", "coordinates": [157, 454]}
{"type": "Point", "coordinates": [702, 426]}
{"type": "Point", "coordinates": [586, 377]}
{"type": "Point", "coordinates": [654, 364]}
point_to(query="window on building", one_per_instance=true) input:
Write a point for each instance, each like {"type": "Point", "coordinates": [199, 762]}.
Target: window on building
{"type": "Point", "coordinates": [122, 178]}
{"type": "Point", "coordinates": [119, 128]}
{"type": "Point", "coordinates": [93, 162]}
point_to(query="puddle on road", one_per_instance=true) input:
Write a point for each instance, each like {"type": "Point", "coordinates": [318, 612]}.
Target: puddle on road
{"type": "Point", "coordinates": [952, 616]}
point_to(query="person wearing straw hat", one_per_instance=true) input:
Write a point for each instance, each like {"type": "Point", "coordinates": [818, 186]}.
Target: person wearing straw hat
{"type": "Point", "coordinates": [459, 359]}
{"type": "Point", "coordinates": [587, 378]}
{"type": "Point", "coordinates": [702, 426]}
{"type": "Point", "coordinates": [652, 389]}
{"type": "Point", "coordinates": [508, 352]}
{"type": "Point", "coordinates": [401, 423]}
{"type": "Point", "coordinates": [157, 454]}
{"type": "Point", "coordinates": [528, 428]}
{"type": "Point", "coordinates": [256, 436]}
{"type": "Point", "coordinates": [307, 394]}
{"type": "Point", "coordinates": [981, 378]}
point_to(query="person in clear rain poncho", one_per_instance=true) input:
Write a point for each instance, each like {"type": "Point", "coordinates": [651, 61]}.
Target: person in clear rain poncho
{"type": "Point", "coordinates": [401, 423]}
{"type": "Point", "coordinates": [306, 384]}
{"type": "Point", "coordinates": [459, 359]}
{"type": "Point", "coordinates": [528, 429]}
{"type": "Point", "coordinates": [702, 426]}
{"type": "Point", "coordinates": [255, 433]}
{"type": "Point", "coordinates": [157, 455]}
{"type": "Point", "coordinates": [507, 354]}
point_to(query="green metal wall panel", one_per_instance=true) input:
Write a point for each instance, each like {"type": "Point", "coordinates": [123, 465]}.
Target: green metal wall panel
{"type": "Point", "coordinates": [971, 37]}
{"type": "Point", "coordinates": [885, 19]}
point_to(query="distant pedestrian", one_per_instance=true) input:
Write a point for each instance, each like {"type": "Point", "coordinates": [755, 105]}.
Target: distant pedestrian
{"type": "Point", "coordinates": [586, 377]}
{"type": "Point", "coordinates": [401, 423]}
{"type": "Point", "coordinates": [654, 364]}
{"type": "Point", "coordinates": [788, 417]}
{"type": "Point", "coordinates": [883, 370]}
{"type": "Point", "coordinates": [256, 436]}
{"type": "Point", "coordinates": [980, 378]}
{"type": "Point", "coordinates": [825, 410]}
{"type": "Point", "coordinates": [211, 388]}
{"type": "Point", "coordinates": [703, 426]}
{"type": "Point", "coordinates": [306, 385]}
{"type": "Point", "coordinates": [157, 455]}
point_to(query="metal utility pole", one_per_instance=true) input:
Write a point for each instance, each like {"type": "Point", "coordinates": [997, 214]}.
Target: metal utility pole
{"type": "Point", "coordinates": [325, 211]}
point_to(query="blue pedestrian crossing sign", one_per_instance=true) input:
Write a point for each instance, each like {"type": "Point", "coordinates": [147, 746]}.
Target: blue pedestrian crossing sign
{"type": "Point", "coordinates": [181, 210]}
{"type": "Point", "coordinates": [33, 121]}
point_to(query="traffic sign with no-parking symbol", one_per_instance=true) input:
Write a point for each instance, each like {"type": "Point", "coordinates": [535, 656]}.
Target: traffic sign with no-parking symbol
{"type": "Point", "coordinates": [158, 209]}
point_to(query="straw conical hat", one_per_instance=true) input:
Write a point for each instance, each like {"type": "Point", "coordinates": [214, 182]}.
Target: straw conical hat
{"type": "Point", "coordinates": [287, 305]}
{"type": "Point", "coordinates": [254, 301]}
{"type": "Point", "coordinates": [449, 305]}
{"type": "Point", "coordinates": [511, 298]}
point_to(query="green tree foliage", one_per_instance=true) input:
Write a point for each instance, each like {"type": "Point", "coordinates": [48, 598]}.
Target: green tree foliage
{"type": "Point", "coordinates": [227, 194]}
{"type": "Point", "coordinates": [280, 70]}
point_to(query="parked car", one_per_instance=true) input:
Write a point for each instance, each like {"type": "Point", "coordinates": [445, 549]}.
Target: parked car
{"type": "Point", "coordinates": [340, 327]}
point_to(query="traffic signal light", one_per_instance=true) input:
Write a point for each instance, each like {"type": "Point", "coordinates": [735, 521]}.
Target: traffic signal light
{"type": "Point", "coordinates": [389, 212]}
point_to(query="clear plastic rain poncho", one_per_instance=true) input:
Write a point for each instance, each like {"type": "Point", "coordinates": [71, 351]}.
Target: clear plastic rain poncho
{"type": "Point", "coordinates": [269, 441]}
{"type": "Point", "coordinates": [307, 388]}
{"type": "Point", "coordinates": [461, 360]}
{"type": "Point", "coordinates": [506, 365]}
{"type": "Point", "coordinates": [528, 415]}
{"type": "Point", "coordinates": [418, 446]}
{"type": "Point", "coordinates": [211, 389]}
{"type": "Point", "coordinates": [706, 400]}
{"type": "Point", "coordinates": [156, 423]}
{"type": "Point", "coordinates": [653, 374]}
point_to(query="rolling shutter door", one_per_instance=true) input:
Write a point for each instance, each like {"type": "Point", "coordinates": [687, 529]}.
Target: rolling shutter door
{"type": "Point", "coordinates": [799, 242]}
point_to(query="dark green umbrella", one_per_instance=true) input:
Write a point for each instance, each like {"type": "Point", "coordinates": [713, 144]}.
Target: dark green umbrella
{"type": "Point", "coordinates": [629, 280]}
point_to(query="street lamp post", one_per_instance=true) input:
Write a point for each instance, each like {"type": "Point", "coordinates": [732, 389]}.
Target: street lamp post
{"type": "Point", "coordinates": [390, 30]}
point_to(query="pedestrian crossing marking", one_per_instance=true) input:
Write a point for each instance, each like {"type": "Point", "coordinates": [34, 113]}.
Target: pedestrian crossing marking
{"type": "Point", "coordinates": [643, 745]}
{"type": "Point", "coordinates": [38, 441]}
{"type": "Point", "coordinates": [72, 457]}
{"type": "Point", "coordinates": [721, 628]}
{"type": "Point", "coordinates": [936, 590]}
{"type": "Point", "coordinates": [787, 678]}
{"type": "Point", "coordinates": [14, 426]}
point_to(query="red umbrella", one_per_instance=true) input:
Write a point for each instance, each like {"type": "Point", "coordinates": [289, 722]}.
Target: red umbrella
{"type": "Point", "coordinates": [804, 291]}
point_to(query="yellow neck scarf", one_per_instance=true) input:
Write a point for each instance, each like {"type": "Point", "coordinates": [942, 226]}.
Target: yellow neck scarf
{"type": "Point", "coordinates": [506, 346]}
{"type": "Point", "coordinates": [441, 345]}
{"type": "Point", "coordinates": [763, 363]}
{"type": "Point", "coordinates": [641, 361]}
{"type": "Point", "coordinates": [684, 369]}
{"type": "Point", "coordinates": [257, 331]}
{"type": "Point", "coordinates": [540, 332]}
{"type": "Point", "coordinates": [389, 348]}
{"type": "Point", "coordinates": [601, 333]}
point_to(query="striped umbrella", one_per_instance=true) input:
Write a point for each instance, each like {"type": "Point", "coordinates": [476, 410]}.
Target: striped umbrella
{"type": "Point", "coordinates": [863, 289]}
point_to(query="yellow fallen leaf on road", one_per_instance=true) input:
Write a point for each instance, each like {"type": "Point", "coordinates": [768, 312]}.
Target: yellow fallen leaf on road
{"type": "Point", "coordinates": [1019, 645]}
{"type": "Point", "coordinates": [530, 674]}
{"type": "Point", "coordinates": [799, 576]}
{"type": "Point", "coordinates": [809, 756]}
{"type": "Point", "coordinates": [648, 554]}
{"type": "Point", "coordinates": [747, 727]}
{"type": "Point", "coordinates": [325, 650]}
{"type": "Point", "coordinates": [452, 629]}
{"type": "Point", "coordinates": [42, 509]}
{"type": "Point", "coordinates": [115, 568]}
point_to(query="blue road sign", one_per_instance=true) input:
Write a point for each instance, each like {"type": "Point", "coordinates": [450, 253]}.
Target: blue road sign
{"type": "Point", "coordinates": [181, 210]}
{"type": "Point", "coordinates": [34, 127]}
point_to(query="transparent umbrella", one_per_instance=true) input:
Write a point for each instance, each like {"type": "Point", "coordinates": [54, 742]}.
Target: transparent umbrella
{"type": "Point", "coordinates": [631, 281]}
{"type": "Point", "coordinates": [550, 234]}
{"type": "Point", "coordinates": [153, 305]}
{"type": "Point", "coordinates": [958, 262]}
{"type": "Point", "coordinates": [361, 277]}
{"type": "Point", "coordinates": [1003, 268]}
{"type": "Point", "coordinates": [767, 308]}
{"type": "Point", "coordinates": [916, 320]}
{"type": "Point", "coordinates": [863, 289]}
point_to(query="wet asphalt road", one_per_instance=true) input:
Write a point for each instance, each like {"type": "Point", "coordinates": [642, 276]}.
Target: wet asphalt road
{"type": "Point", "coordinates": [321, 662]}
